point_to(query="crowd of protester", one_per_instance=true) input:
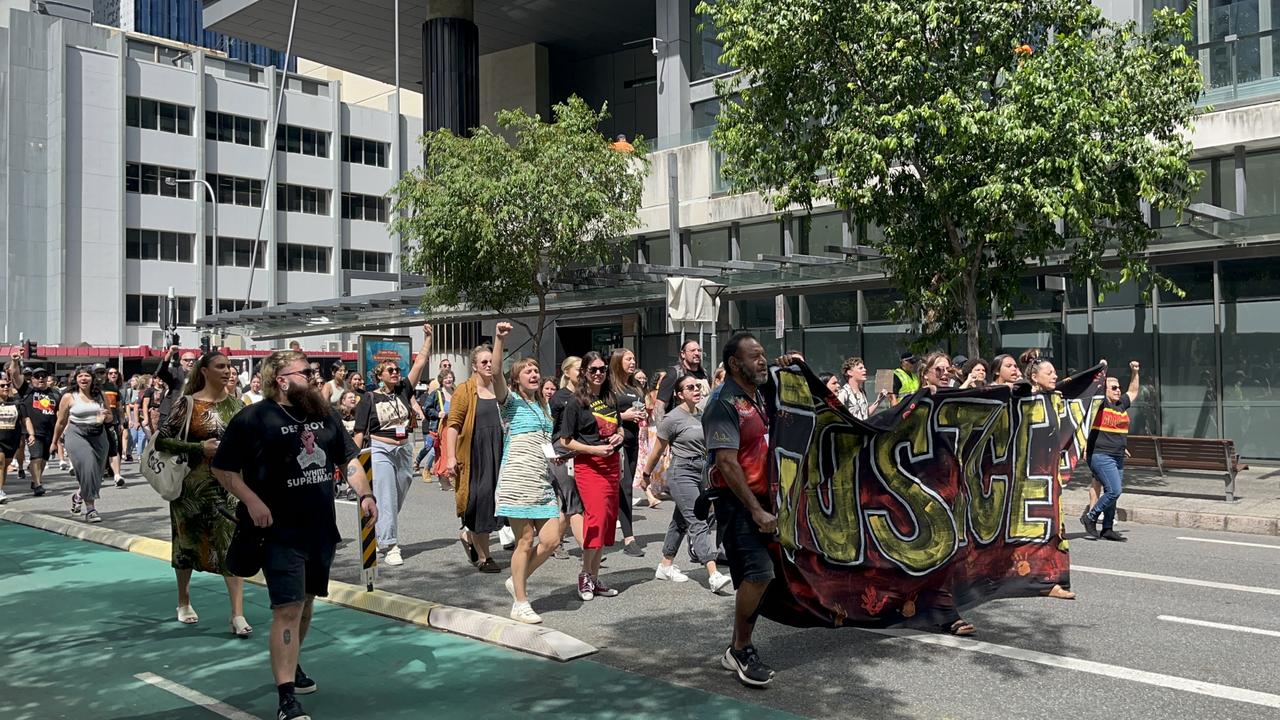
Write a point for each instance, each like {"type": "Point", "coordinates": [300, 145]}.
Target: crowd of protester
{"type": "Point", "coordinates": [541, 460]}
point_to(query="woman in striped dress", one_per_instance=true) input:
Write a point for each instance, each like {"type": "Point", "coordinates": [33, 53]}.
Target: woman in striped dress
{"type": "Point", "coordinates": [525, 495]}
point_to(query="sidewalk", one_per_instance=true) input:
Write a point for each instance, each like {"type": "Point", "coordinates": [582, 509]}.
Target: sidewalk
{"type": "Point", "coordinates": [1190, 500]}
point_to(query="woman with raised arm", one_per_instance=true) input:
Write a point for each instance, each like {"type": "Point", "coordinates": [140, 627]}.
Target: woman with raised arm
{"type": "Point", "coordinates": [525, 495]}
{"type": "Point", "coordinates": [385, 417]}
{"type": "Point", "coordinates": [473, 441]}
{"type": "Point", "coordinates": [1108, 441]}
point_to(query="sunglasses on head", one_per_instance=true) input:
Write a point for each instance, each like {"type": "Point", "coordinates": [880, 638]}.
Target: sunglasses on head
{"type": "Point", "coordinates": [596, 369]}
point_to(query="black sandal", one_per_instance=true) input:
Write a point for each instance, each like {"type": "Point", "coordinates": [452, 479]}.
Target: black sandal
{"type": "Point", "coordinates": [959, 628]}
{"type": "Point", "coordinates": [469, 548]}
{"type": "Point", "coordinates": [488, 566]}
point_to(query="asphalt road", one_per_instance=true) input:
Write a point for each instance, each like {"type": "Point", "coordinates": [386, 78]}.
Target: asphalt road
{"type": "Point", "coordinates": [1134, 645]}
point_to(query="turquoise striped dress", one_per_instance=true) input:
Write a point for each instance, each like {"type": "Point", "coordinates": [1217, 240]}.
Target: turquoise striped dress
{"type": "Point", "coordinates": [524, 482]}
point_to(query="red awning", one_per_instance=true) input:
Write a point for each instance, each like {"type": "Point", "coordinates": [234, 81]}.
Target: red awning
{"type": "Point", "coordinates": [58, 353]}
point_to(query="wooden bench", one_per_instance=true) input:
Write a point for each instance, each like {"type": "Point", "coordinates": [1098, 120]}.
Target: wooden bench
{"type": "Point", "coordinates": [1175, 453]}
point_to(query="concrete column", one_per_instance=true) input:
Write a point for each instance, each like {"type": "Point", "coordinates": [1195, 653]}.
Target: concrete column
{"type": "Point", "coordinates": [673, 33]}
{"type": "Point", "coordinates": [1241, 185]}
{"type": "Point", "coordinates": [450, 67]}
{"type": "Point", "coordinates": [275, 84]}
{"type": "Point", "coordinates": [201, 195]}
{"type": "Point", "coordinates": [335, 197]}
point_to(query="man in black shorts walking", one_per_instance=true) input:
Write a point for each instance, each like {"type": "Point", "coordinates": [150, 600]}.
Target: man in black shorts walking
{"type": "Point", "coordinates": [39, 415]}
{"type": "Point", "coordinates": [279, 457]}
{"type": "Point", "coordinates": [736, 427]}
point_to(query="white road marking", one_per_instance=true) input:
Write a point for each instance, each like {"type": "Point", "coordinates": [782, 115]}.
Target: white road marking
{"type": "Point", "coordinates": [194, 697]}
{"type": "Point", "coordinates": [1219, 626]}
{"type": "Point", "coordinates": [1173, 682]}
{"type": "Point", "coordinates": [1176, 580]}
{"type": "Point", "coordinates": [1232, 542]}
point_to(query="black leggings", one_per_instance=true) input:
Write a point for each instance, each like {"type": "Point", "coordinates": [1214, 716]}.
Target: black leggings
{"type": "Point", "coordinates": [624, 496]}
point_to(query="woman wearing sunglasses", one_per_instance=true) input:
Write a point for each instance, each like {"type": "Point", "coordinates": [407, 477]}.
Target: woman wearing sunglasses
{"type": "Point", "coordinates": [10, 431]}
{"type": "Point", "coordinates": [589, 428]}
{"type": "Point", "coordinates": [385, 417]}
{"type": "Point", "coordinates": [681, 431]}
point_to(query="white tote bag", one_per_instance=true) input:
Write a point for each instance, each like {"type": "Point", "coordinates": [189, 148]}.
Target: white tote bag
{"type": "Point", "coordinates": [166, 471]}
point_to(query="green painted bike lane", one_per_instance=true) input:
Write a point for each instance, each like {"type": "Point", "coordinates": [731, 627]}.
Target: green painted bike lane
{"type": "Point", "coordinates": [79, 622]}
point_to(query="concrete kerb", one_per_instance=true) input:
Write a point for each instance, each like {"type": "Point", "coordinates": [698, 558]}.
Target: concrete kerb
{"type": "Point", "coordinates": [1193, 520]}
{"type": "Point", "coordinates": [536, 640]}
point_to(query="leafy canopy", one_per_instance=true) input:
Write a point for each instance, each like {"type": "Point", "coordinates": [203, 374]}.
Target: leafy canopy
{"type": "Point", "coordinates": [487, 220]}
{"type": "Point", "coordinates": [968, 130]}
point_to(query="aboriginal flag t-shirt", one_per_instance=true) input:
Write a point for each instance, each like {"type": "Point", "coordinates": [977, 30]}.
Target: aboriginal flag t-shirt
{"type": "Point", "coordinates": [289, 463]}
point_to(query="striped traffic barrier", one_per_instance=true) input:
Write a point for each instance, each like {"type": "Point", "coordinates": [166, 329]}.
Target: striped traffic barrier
{"type": "Point", "coordinates": [368, 540]}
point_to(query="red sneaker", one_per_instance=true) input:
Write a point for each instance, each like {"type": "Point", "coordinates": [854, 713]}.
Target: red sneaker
{"type": "Point", "coordinates": [586, 588]}
{"type": "Point", "coordinates": [603, 590]}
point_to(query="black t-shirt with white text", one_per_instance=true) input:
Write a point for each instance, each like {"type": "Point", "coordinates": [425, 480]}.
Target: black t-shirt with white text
{"type": "Point", "coordinates": [41, 406]}
{"type": "Point", "coordinates": [10, 424]}
{"type": "Point", "coordinates": [290, 465]}
{"type": "Point", "coordinates": [386, 415]}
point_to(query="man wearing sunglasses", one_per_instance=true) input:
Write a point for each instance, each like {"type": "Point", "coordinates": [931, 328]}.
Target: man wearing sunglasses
{"type": "Point", "coordinates": [690, 365]}
{"type": "Point", "coordinates": [174, 374]}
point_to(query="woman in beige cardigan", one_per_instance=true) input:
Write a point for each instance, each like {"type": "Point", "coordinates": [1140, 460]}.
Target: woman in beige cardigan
{"type": "Point", "coordinates": [473, 437]}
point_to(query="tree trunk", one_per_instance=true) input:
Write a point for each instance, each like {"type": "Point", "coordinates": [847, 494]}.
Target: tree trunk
{"type": "Point", "coordinates": [971, 313]}
{"type": "Point", "coordinates": [540, 326]}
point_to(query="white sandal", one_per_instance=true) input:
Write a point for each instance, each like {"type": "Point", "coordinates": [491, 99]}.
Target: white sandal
{"type": "Point", "coordinates": [187, 615]}
{"type": "Point", "coordinates": [241, 627]}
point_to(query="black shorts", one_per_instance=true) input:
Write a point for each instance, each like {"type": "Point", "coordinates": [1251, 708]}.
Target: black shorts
{"type": "Point", "coordinates": [113, 440]}
{"type": "Point", "coordinates": [566, 489]}
{"type": "Point", "coordinates": [746, 548]}
{"type": "Point", "coordinates": [294, 573]}
{"type": "Point", "coordinates": [10, 451]}
{"type": "Point", "coordinates": [40, 448]}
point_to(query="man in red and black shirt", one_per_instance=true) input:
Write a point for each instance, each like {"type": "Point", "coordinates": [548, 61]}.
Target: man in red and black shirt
{"type": "Point", "coordinates": [736, 428]}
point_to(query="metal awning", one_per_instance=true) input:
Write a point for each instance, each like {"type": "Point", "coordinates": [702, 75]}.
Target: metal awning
{"type": "Point", "coordinates": [632, 286]}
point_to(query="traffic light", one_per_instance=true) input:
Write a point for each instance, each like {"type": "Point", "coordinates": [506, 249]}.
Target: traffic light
{"type": "Point", "coordinates": [29, 349]}
{"type": "Point", "coordinates": [205, 345]}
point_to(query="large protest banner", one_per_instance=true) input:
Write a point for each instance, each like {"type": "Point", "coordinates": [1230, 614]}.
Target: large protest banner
{"type": "Point", "coordinates": [946, 501]}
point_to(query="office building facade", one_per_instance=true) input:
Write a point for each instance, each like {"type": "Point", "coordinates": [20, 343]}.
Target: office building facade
{"type": "Point", "coordinates": [107, 137]}
{"type": "Point", "coordinates": [183, 21]}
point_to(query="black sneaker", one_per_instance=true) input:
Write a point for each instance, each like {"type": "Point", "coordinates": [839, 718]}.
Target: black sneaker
{"type": "Point", "coordinates": [1112, 535]}
{"type": "Point", "coordinates": [1090, 526]}
{"type": "Point", "coordinates": [291, 709]}
{"type": "Point", "coordinates": [632, 549]}
{"type": "Point", "coordinates": [22, 474]}
{"type": "Point", "coordinates": [747, 665]}
{"type": "Point", "coordinates": [302, 683]}
{"type": "Point", "coordinates": [37, 490]}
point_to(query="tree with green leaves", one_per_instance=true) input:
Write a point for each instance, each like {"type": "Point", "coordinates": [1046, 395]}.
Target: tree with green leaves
{"type": "Point", "coordinates": [490, 221]}
{"type": "Point", "coordinates": [982, 136]}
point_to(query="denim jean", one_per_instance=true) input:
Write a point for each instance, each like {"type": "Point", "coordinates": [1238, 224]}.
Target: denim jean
{"type": "Point", "coordinates": [392, 478]}
{"type": "Point", "coordinates": [137, 441]}
{"type": "Point", "coordinates": [1109, 470]}
{"type": "Point", "coordinates": [428, 444]}
{"type": "Point", "coordinates": [683, 482]}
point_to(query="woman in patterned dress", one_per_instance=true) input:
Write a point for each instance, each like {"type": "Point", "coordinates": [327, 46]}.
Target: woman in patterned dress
{"type": "Point", "coordinates": [525, 495]}
{"type": "Point", "coordinates": [201, 532]}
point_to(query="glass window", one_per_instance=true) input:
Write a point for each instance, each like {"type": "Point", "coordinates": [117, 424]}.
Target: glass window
{"type": "Point", "coordinates": [150, 245]}
{"type": "Point", "coordinates": [186, 248]}
{"type": "Point", "coordinates": [308, 142]}
{"type": "Point", "coordinates": [184, 119]}
{"type": "Point", "coordinates": [293, 139]}
{"type": "Point", "coordinates": [1251, 278]}
{"type": "Point", "coordinates": [132, 309]}
{"type": "Point", "coordinates": [1262, 173]}
{"type": "Point", "coordinates": [1194, 279]}
{"type": "Point", "coordinates": [833, 308]}
{"type": "Point", "coordinates": [880, 305]}
{"type": "Point", "coordinates": [759, 238]}
{"type": "Point", "coordinates": [150, 180]}
{"type": "Point", "coordinates": [1121, 335]}
{"type": "Point", "coordinates": [705, 113]}
{"type": "Point", "coordinates": [150, 309]}
{"type": "Point", "coordinates": [825, 349]}
{"type": "Point", "coordinates": [815, 232]}
{"type": "Point", "coordinates": [226, 128]}
{"type": "Point", "coordinates": [257, 131]}
{"type": "Point", "coordinates": [706, 48]}
{"type": "Point", "coordinates": [133, 112]}
{"type": "Point", "coordinates": [1250, 352]}
{"type": "Point", "coordinates": [657, 250]}
{"type": "Point", "coordinates": [243, 135]}
{"type": "Point", "coordinates": [168, 247]}
{"type": "Point", "coordinates": [882, 345]}
{"type": "Point", "coordinates": [133, 177]}
{"type": "Point", "coordinates": [150, 114]}
{"type": "Point", "coordinates": [1188, 404]}
{"type": "Point", "coordinates": [168, 117]}
{"type": "Point", "coordinates": [708, 245]}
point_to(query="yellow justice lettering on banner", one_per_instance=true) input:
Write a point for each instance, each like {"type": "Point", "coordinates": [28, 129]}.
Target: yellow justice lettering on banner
{"type": "Point", "coordinates": [934, 540]}
{"type": "Point", "coordinates": [1028, 490]}
{"type": "Point", "coordinates": [985, 504]}
{"type": "Point", "coordinates": [833, 508]}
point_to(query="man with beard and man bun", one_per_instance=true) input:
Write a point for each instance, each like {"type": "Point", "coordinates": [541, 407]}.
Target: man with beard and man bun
{"type": "Point", "coordinates": [736, 429]}
{"type": "Point", "coordinates": [690, 365]}
{"type": "Point", "coordinates": [278, 457]}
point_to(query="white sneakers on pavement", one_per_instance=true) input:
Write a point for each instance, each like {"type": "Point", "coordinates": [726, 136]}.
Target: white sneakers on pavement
{"type": "Point", "coordinates": [393, 557]}
{"type": "Point", "coordinates": [3, 498]}
{"type": "Point", "coordinates": [670, 572]}
{"type": "Point", "coordinates": [523, 612]}
{"type": "Point", "coordinates": [719, 581]}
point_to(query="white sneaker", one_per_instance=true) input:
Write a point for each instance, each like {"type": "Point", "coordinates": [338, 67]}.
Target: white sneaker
{"type": "Point", "coordinates": [393, 556]}
{"type": "Point", "coordinates": [719, 581]}
{"type": "Point", "coordinates": [670, 572]}
{"type": "Point", "coordinates": [3, 498]}
{"type": "Point", "coordinates": [506, 536]}
{"type": "Point", "coordinates": [511, 587]}
{"type": "Point", "coordinates": [523, 612]}
{"type": "Point", "coordinates": [63, 465]}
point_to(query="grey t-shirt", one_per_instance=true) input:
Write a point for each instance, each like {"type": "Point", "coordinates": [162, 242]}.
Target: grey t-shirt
{"type": "Point", "coordinates": [684, 432]}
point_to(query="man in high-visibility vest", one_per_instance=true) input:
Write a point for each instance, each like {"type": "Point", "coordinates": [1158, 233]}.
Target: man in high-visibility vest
{"type": "Point", "coordinates": [905, 379]}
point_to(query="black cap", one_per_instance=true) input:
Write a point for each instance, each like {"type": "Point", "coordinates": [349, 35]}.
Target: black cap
{"type": "Point", "coordinates": [907, 356]}
{"type": "Point", "coordinates": [959, 360]}
{"type": "Point", "coordinates": [35, 371]}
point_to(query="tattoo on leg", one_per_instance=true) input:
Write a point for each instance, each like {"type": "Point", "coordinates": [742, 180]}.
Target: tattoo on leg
{"type": "Point", "coordinates": [288, 636]}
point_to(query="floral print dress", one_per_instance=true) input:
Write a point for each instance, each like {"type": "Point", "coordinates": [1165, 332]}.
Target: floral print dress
{"type": "Point", "coordinates": [201, 534]}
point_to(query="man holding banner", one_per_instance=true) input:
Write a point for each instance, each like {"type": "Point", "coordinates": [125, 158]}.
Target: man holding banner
{"type": "Point", "coordinates": [736, 427]}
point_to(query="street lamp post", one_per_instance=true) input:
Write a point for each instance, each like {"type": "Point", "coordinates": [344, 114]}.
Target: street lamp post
{"type": "Point", "coordinates": [213, 199]}
{"type": "Point", "coordinates": [714, 289]}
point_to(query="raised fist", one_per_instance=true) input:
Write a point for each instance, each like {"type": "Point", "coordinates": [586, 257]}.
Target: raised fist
{"type": "Point", "coordinates": [503, 329]}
